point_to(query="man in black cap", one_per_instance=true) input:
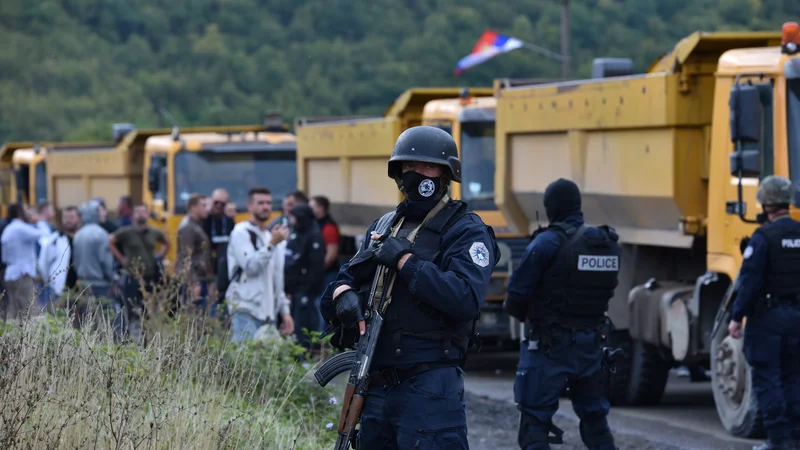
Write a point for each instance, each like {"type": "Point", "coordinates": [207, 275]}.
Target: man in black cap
{"type": "Point", "coordinates": [560, 290]}
{"type": "Point", "coordinates": [416, 390]}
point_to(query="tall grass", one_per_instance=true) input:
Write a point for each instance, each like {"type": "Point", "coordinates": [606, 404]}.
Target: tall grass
{"type": "Point", "coordinates": [63, 386]}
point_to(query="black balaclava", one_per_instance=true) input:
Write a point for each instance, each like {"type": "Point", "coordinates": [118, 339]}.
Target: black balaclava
{"type": "Point", "coordinates": [562, 199]}
{"type": "Point", "coordinates": [423, 193]}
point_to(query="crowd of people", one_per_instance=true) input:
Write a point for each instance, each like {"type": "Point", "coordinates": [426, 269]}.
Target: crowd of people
{"type": "Point", "coordinates": [253, 273]}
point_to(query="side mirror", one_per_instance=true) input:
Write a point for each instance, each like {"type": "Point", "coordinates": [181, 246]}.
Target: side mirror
{"type": "Point", "coordinates": [745, 106]}
{"type": "Point", "coordinates": [748, 161]}
{"type": "Point", "coordinates": [153, 175]}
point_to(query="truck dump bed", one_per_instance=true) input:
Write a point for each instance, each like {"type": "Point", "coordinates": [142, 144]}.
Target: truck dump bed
{"type": "Point", "coordinates": [345, 159]}
{"type": "Point", "coordinates": [636, 145]}
{"type": "Point", "coordinates": [79, 172]}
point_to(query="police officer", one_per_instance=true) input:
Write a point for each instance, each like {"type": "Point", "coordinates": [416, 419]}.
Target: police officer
{"type": "Point", "coordinates": [416, 392]}
{"type": "Point", "coordinates": [561, 290]}
{"type": "Point", "coordinates": [769, 295]}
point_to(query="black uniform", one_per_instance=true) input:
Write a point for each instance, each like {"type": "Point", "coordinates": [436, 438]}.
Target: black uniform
{"type": "Point", "coordinates": [769, 295]}
{"type": "Point", "coordinates": [416, 395]}
{"type": "Point", "coordinates": [561, 288]}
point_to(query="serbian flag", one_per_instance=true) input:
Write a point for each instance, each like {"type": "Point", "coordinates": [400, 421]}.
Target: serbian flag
{"type": "Point", "coordinates": [489, 45]}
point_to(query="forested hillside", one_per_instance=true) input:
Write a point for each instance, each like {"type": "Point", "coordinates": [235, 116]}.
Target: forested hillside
{"type": "Point", "coordinates": [70, 68]}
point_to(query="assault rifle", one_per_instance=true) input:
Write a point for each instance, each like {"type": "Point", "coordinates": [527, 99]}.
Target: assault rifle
{"type": "Point", "coordinates": [723, 313]}
{"type": "Point", "coordinates": [358, 361]}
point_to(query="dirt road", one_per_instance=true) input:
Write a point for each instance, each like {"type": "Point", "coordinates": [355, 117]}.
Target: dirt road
{"type": "Point", "coordinates": [685, 419]}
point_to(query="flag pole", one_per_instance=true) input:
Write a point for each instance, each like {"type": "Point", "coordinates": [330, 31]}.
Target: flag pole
{"type": "Point", "coordinates": [543, 51]}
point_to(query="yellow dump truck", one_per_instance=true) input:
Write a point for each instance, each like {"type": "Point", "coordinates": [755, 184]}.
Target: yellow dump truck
{"type": "Point", "coordinates": [654, 156]}
{"type": "Point", "coordinates": [162, 167]}
{"type": "Point", "coordinates": [199, 160]}
{"type": "Point", "coordinates": [345, 160]}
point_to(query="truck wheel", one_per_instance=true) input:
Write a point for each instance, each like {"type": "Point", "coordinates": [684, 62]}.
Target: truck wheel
{"type": "Point", "coordinates": [735, 400]}
{"type": "Point", "coordinates": [641, 376]}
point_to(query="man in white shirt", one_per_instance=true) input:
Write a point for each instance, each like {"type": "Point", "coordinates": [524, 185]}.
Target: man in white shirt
{"type": "Point", "coordinates": [255, 295]}
{"type": "Point", "coordinates": [19, 241]}
{"type": "Point", "coordinates": [56, 258]}
{"type": "Point", "coordinates": [47, 215]}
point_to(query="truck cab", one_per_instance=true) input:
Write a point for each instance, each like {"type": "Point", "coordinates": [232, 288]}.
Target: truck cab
{"type": "Point", "coordinates": [8, 178]}
{"type": "Point", "coordinates": [471, 122]}
{"type": "Point", "coordinates": [201, 160]}
{"type": "Point", "coordinates": [29, 175]}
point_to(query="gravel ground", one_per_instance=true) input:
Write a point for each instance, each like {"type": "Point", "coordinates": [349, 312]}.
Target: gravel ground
{"type": "Point", "coordinates": [493, 425]}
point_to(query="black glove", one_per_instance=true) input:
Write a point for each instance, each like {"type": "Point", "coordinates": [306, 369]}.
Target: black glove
{"type": "Point", "coordinates": [515, 308]}
{"type": "Point", "coordinates": [391, 250]}
{"type": "Point", "coordinates": [348, 308]}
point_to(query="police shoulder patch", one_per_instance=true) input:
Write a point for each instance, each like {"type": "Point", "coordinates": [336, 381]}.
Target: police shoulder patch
{"type": "Point", "coordinates": [748, 252]}
{"type": "Point", "coordinates": [479, 254]}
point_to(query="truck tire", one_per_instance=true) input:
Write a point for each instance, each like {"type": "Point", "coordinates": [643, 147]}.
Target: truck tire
{"type": "Point", "coordinates": [731, 384]}
{"type": "Point", "coordinates": [641, 375]}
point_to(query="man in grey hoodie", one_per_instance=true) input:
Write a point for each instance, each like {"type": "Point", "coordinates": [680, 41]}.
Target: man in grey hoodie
{"type": "Point", "coordinates": [93, 261]}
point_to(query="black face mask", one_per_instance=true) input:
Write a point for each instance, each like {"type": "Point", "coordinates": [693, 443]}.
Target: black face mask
{"type": "Point", "coordinates": [418, 187]}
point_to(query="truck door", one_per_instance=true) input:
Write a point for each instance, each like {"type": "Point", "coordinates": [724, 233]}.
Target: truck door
{"type": "Point", "coordinates": [751, 153]}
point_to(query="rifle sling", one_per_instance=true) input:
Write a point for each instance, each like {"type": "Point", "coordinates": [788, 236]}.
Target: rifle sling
{"type": "Point", "coordinates": [411, 237]}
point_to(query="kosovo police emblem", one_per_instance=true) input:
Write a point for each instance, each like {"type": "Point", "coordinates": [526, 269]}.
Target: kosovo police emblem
{"type": "Point", "coordinates": [479, 254]}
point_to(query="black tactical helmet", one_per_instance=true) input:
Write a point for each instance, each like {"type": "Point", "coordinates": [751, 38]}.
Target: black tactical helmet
{"type": "Point", "coordinates": [425, 144]}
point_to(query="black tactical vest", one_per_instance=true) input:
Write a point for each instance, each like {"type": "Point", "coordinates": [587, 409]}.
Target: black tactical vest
{"type": "Point", "coordinates": [783, 259]}
{"type": "Point", "coordinates": [575, 290]}
{"type": "Point", "coordinates": [414, 332]}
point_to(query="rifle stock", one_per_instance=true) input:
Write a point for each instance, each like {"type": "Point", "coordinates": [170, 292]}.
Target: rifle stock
{"type": "Point", "coordinates": [348, 398]}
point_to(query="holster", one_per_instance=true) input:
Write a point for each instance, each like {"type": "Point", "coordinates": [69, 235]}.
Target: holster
{"type": "Point", "coordinates": [543, 335]}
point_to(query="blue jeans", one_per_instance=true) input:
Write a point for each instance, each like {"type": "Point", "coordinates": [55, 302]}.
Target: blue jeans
{"type": "Point", "coordinates": [45, 293]}
{"type": "Point", "coordinates": [426, 411]}
{"type": "Point", "coordinates": [772, 349]}
{"type": "Point", "coordinates": [244, 326]}
{"type": "Point", "coordinates": [542, 376]}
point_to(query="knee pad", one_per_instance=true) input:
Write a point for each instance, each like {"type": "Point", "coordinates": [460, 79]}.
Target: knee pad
{"type": "Point", "coordinates": [532, 431]}
{"type": "Point", "coordinates": [596, 433]}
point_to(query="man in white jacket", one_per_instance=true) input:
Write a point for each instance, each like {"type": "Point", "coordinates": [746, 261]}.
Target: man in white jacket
{"type": "Point", "coordinates": [56, 261]}
{"type": "Point", "coordinates": [255, 295]}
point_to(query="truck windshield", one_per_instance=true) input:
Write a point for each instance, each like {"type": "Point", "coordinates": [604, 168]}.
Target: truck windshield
{"type": "Point", "coordinates": [793, 131]}
{"type": "Point", "coordinates": [477, 165]}
{"type": "Point", "coordinates": [202, 172]}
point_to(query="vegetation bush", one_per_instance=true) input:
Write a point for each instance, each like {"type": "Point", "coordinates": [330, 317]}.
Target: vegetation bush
{"type": "Point", "coordinates": [70, 68]}
{"type": "Point", "coordinates": [184, 386]}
